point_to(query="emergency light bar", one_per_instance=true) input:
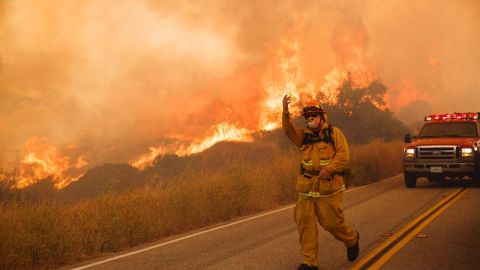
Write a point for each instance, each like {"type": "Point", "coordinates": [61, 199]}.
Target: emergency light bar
{"type": "Point", "coordinates": [453, 116]}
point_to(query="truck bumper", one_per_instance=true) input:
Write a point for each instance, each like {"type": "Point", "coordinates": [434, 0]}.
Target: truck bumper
{"type": "Point", "coordinates": [453, 168]}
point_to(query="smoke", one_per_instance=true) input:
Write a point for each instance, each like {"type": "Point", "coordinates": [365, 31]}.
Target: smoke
{"type": "Point", "coordinates": [115, 77]}
{"type": "Point", "coordinates": [427, 51]}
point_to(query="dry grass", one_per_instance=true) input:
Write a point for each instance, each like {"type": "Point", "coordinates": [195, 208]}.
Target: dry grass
{"type": "Point", "coordinates": [374, 161]}
{"type": "Point", "coordinates": [48, 235]}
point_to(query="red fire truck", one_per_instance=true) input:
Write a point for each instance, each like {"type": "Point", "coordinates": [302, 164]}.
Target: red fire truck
{"type": "Point", "coordinates": [447, 147]}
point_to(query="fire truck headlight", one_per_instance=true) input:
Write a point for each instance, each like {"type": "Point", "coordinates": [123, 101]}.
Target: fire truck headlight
{"type": "Point", "coordinates": [410, 153]}
{"type": "Point", "coordinates": [467, 152]}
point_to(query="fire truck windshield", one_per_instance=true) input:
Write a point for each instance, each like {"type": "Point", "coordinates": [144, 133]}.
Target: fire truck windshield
{"type": "Point", "coordinates": [448, 129]}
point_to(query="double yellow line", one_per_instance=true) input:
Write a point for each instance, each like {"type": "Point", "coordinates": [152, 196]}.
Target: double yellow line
{"type": "Point", "coordinates": [382, 253]}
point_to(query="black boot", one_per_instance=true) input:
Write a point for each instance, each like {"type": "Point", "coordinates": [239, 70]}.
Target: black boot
{"type": "Point", "coordinates": [306, 267]}
{"type": "Point", "coordinates": [352, 252]}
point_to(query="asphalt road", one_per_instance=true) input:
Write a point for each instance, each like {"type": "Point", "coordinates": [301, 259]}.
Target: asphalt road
{"type": "Point", "coordinates": [270, 241]}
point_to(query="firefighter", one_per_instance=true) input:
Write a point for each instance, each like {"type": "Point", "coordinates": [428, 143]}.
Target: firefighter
{"type": "Point", "coordinates": [320, 184]}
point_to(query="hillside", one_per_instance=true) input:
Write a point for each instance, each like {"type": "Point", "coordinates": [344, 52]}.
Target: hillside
{"type": "Point", "coordinates": [359, 112]}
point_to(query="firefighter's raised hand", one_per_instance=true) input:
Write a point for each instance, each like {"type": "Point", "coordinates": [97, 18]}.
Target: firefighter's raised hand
{"type": "Point", "coordinates": [324, 175]}
{"type": "Point", "coordinates": [286, 100]}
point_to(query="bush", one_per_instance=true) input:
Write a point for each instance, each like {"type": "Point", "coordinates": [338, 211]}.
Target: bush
{"type": "Point", "coordinates": [374, 161]}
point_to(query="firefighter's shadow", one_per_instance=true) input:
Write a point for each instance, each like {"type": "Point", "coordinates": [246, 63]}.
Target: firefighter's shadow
{"type": "Point", "coordinates": [426, 184]}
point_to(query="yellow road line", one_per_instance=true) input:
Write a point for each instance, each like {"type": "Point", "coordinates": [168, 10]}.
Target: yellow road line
{"type": "Point", "coordinates": [382, 253]}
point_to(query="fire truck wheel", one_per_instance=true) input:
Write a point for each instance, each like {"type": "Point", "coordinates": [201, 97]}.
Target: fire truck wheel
{"type": "Point", "coordinates": [410, 180]}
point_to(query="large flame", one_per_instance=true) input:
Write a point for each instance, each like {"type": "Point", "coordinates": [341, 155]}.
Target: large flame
{"type": "Point", "coordinates": [349, 44]}
{"type": "Point", "coordinates": [148, 158]}
{"type": "Point", "coordinates": [43, 161]}
{"type": "Point", "coordinates": [291, 82]}
{"type": "Point", "coordinates": [221, 132]}
{"type": "Point", "coordinates": [288, 79]}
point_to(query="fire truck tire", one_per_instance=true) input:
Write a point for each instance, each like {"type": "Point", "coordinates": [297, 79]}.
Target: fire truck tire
{"type": "Point", "coordinates": [410, 180]}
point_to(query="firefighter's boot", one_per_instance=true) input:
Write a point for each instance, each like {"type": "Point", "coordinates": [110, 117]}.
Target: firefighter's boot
{"type": "Point", "coordinates": [352, 252]}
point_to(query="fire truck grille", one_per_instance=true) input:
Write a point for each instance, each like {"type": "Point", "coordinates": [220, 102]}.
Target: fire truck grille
{"type": "Point", "coordinates": [437, 152]}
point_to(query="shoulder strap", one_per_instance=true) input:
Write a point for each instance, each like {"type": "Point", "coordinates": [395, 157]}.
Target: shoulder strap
{"type": "Point", "coordinates": [329, 136]}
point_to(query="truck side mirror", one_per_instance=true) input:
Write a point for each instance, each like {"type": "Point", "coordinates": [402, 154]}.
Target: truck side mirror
{"type": "Point", "coordinates": [408, 138]}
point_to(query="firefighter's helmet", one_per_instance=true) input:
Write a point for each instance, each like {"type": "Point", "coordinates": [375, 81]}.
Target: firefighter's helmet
{"type": "Point", "coordinates": [313, 110]}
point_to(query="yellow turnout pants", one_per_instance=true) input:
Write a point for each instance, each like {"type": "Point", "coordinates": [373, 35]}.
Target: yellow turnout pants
{"type": "Point", "coordinates": [328, 212]}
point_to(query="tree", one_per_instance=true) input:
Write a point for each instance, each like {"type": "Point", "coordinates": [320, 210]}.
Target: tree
{"type": "Point", "coordinates": [362, 114]}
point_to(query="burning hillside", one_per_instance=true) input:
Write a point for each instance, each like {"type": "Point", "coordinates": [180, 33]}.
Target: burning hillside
{"type": "Point", "coordinates": [88, 83]}
{"type": "Point", "coordinates": [285, 76]}
{"type": "Point", "coordinates": [44, 160]}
